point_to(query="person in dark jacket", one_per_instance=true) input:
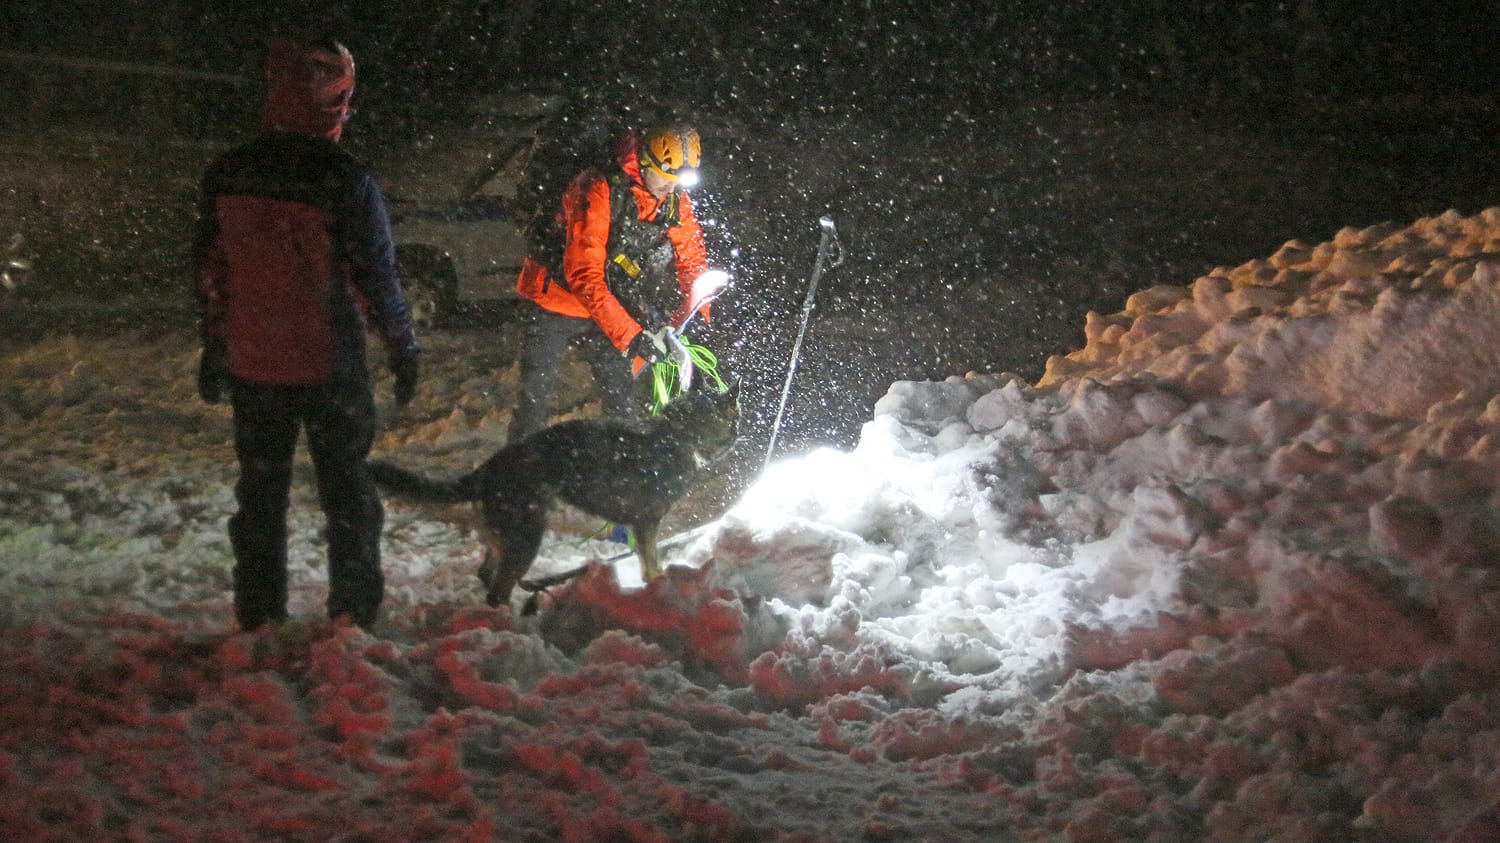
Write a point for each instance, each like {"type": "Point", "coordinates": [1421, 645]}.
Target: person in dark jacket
{"type": "Point", "coordinates": [294, 260]}
{"type": "Point", "coordinates": [632, 252]}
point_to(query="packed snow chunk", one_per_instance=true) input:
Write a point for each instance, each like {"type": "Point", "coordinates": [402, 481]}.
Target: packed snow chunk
{"type": "Point", "coordinates": [1135, 569]}
{"type": "Point", "coordinates": [917, 734]}
{"type": "Point", "coordinates": [826, 485]}
{"type": "Point", "coordinates": [1010, 403]}
{"type": "Point", "coordinates": [930, 407]}
{"type": "Point", "coordinates": [809, 673]}
{"type": "Point", "coordinates": [1095, 416]}
{"type": "Point", "coordinates": [1220, 679]}
{"type": "Point", "coordinates": [792, 562]}
{"type": "Point", "coordinates": [1405, 527]}
{"type": "Point", "coordinates": [685, 614]}
{"type": "Point", "coordinates": [1344, 609]}
{"type": "Point", "coordinates": [1393, 321]}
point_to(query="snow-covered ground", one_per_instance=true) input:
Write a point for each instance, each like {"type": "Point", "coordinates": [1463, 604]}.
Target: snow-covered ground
{"type": "Point", "coordinates": [1230, 572]}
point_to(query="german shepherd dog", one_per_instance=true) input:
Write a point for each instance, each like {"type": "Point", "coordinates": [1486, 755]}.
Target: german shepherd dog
{"type": "Point", "coordinates": [625, 472]}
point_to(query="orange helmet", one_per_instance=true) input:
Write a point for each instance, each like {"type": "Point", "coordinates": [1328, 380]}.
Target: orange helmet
{"type": "Point", "coordinates": [672, 151]}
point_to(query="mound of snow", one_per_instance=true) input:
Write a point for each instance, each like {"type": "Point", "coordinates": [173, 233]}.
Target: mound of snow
{"type": "Point", "coordinates": [1226, 573]}
{"type": "Point", "coordinates": [1385, 320]}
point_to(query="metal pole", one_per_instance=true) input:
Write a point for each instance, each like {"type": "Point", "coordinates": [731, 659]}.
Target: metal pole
{"type": "Point", "coordinates": [828, 250]}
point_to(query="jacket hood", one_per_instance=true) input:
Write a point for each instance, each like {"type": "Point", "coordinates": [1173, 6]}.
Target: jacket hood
{"type": "Point", "coordinates": [627, 152]}
{"type": "Point", "coordinates": [308, 88]}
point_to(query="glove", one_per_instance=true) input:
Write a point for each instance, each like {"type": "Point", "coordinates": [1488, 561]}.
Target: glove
{"type": "Point", "coordinates": [650, 346]}
{"type": "Point", "coordinates": [213, 371]}
{"type": "Point", "coordinates": [404, 367]}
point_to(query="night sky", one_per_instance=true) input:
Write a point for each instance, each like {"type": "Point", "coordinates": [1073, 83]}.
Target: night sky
{"type": "Point", "coordinates": [890, 52]}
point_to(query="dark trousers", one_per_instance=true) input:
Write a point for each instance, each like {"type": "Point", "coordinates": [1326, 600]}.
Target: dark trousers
{"type": "Point", "coordinates": [545, 338]}
{"type": "Point", "coordinates": [340, 423]}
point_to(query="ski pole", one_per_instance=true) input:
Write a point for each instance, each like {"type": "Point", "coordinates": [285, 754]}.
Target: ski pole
{"type": "Point", "coordinates": [828, 253]}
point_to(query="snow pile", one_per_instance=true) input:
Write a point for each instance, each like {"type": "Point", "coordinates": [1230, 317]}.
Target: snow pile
{"type": "Point", "coordinates": [1385, 320]}
{"type": "Point", "coordinates": [1227, 573]}
{"type": "Point", "coordinates": [1153, 477]}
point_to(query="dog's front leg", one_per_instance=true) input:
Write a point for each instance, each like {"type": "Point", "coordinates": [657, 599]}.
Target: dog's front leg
{"type": "Point", "coordinates": [498, 578]}
{"type": "Point", "coordinates": [501, 586]}
{"type": "Point", "coordinates": [491, 564]}
{"type": "Point", "coordinates": [645, 548]}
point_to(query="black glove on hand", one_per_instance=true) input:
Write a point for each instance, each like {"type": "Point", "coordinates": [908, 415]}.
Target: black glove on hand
{"type": "Point", "coordinates": [650, 346]}
{"type": "Point", "coordinates": [405, 367]}
{"type": "Point", "coordinates": [213, 372]}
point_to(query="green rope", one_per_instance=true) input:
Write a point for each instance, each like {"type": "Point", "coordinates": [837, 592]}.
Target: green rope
{"type": "Point", "coordinates": [666, 381]}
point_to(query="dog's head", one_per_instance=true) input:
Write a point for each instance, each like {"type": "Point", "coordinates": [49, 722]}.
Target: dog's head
{"type": "Point", "coordinates": [708, 417]}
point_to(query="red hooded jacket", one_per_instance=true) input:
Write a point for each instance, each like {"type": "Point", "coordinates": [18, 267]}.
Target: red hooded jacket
{"type": "Point", "coordinates": [294, 249]}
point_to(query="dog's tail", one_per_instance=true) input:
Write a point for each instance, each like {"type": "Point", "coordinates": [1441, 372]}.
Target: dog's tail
{"type": "Point", "coordinates": [414, 487]}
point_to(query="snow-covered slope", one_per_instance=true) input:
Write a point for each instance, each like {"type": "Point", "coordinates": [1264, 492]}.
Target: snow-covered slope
{"type": "Point", "coordinates": [1227, 573]}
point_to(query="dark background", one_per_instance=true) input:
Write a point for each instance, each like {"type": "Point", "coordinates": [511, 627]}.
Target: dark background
{"type": "Point", "coordinates": [881, 53]}
{"type": "Point", "coordinates": [997, 170]}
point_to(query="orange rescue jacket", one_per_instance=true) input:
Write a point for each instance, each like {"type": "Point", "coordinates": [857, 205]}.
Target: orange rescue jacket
{"type": "Point", "coordinates": [586, 221]}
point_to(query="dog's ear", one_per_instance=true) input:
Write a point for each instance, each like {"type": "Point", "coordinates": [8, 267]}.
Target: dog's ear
{"type": "Point", "coordinates": [730, 394]}
{"type": "Point", "coordinates": [728, 402]}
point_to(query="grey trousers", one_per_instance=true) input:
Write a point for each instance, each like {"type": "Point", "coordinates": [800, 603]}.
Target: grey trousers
{"type": "Point", "coordinates": [545, 338]}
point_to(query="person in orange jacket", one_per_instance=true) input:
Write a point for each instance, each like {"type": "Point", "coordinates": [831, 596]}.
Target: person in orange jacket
{"type": "Point", "coordinates": [631, 252]}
